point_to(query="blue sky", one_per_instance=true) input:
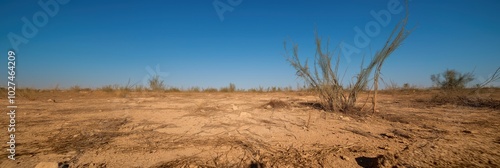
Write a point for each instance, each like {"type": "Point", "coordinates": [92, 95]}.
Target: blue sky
{"type": "Point", "coordinates": [95, 43]}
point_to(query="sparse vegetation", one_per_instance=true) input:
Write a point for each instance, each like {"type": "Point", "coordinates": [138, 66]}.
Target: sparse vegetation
{"type": "Point", "coordinates": [453, 90]}
{"type": "Point", "coordinates": [452, 79]}
{"type": "Point", "coordinates": [156, 84]}
{"type": "Point", "coordinates": [391, 86]}
{"type": "Point", "coordinates": [75, 88]}
{"type": "Point", "coordinates": [230, 88]}
{"type": "Point", "coordinates": [107, 88]}
{"type": "Point", "coordinates": [260, 89]}
{"type": "Point", "coordinates": [139, 88]}
{"type": "Point", "coordinates": [210, 89]}
{"type": "Point", "coordinates": [28, 93]}
{"type": "Point", "coordinates": [172, 89]}
{"type": "Point", "coordinates": [194, 89]}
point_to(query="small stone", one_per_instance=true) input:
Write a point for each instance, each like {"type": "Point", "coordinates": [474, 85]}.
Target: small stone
{"type": "Point", "coordinates": [344, 157]}
{"type": "Point", "coordinates": [269, 107]}
{"type": "Point", "coordinates": [235, 107]}
{"type": "Point", "coordinates": [47, 165]}
{"type": "Point", "coordinates": [384, 147]}
{"type": "Point", "coordinates": [51, 100]}
{"type": "Point", "coordinates": [468, 131]}
{"type": "Point", "coordinates": [389, 135]}
{"type": "Point", "coordinates": [345, 118]}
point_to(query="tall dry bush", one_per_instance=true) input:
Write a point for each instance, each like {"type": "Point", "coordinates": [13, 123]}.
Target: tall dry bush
{"type": "Point", "coordinates": [324, 79]}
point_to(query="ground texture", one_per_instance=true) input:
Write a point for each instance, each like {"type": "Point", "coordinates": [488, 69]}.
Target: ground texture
{"type": "Point", "coordinates": [283, 129]}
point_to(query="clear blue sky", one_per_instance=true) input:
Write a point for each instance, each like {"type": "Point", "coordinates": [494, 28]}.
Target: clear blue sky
{"type": "Point", "coordinates": [94, 43]}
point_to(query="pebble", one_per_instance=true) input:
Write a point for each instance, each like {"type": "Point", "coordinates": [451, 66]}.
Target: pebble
{"type": "Point", "coordinates": [345, 118]}
{"type": "Point", "coordinates": [344, 157]}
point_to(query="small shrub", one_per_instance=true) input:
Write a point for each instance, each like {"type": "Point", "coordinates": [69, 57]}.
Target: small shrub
{"type": "Point", "coordinates": [107, 88]}
{"type": "Point", "coordinates": [139, 88]}
{"type": "Point", "coordinates": [230, 88]}
{"type": "Point", "coordinates": [274, 89]}
{"type": "Point", "coordinates": [156, 84]}
{"type": "Point", "coordinates": [75, 88]}
{"type": "Point", "coordinates": [406, 86]}
{"type": "Point", "coordinates": [194, 89]}
{"type": "Point", "coordinates": [452, 79]}
{"type": "Point", "coordinates": [260, 89]}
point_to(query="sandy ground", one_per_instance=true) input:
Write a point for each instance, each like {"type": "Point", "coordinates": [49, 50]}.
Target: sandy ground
{"type": "Point", "coordinates": [98, 129]}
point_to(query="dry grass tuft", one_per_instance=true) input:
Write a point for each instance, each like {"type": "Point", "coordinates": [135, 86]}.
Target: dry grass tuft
{"type": "Point", "coordinates": [28, 93]}
{"type": "Point", "coordinates": [210, 90]}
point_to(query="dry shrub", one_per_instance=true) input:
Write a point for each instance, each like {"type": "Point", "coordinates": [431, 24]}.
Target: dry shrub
{"type": "Point", "coordinates": [107, 88]}
{"type": "Point", "coordinates": [230, 88]}
{"type": "Point", "coordinates": [325, 81]}
{"type": "Point", "coordinates": [156, 84]}
{"type": "Point", "coordinates": [75, 88]}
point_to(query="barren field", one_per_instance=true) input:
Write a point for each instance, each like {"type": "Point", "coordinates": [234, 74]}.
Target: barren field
{"type": "Point", "coordinates": [240, 129]}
